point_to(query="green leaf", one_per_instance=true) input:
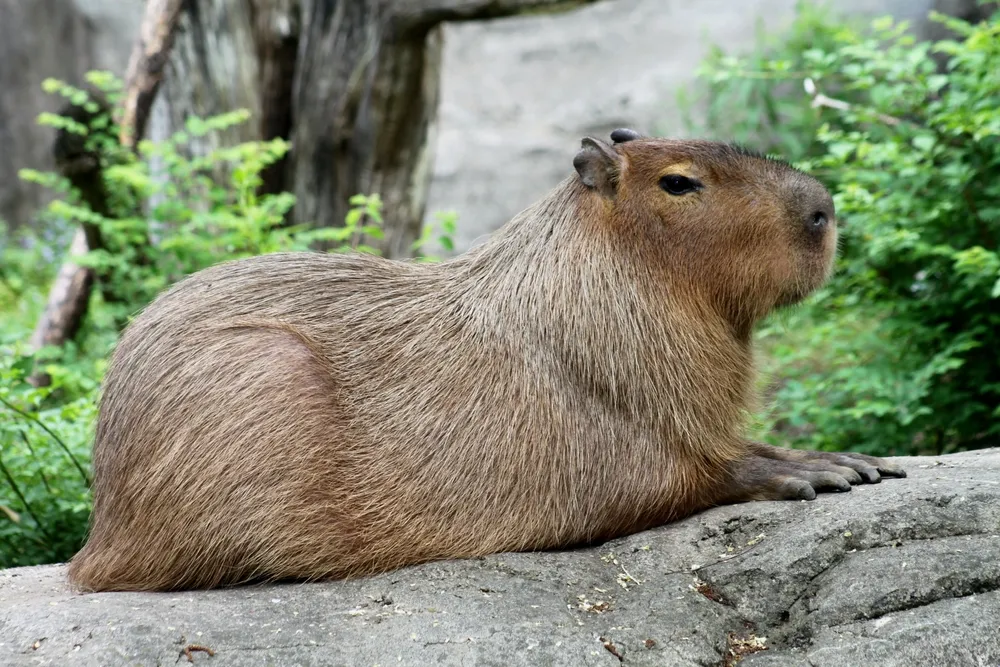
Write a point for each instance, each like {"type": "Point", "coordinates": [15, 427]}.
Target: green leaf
{"type": "Point", "coordinates": [924, 142]}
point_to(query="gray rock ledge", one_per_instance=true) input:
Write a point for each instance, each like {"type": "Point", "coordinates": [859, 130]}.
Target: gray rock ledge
{"type": "Point", "coordinates": [906, 572]}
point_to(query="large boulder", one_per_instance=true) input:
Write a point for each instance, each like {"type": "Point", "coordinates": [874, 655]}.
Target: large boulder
{"type": "Point", "coordinates": [906, 572]}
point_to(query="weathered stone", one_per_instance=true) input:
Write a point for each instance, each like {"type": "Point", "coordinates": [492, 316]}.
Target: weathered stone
{"type": "Point", "coordinates": [903, 573]}
{"type": "Point", "coordinates": [38, 39]}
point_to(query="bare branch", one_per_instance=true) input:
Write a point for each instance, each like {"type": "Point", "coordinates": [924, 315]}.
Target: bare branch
{"type": "Point", "coordinates": [821, 100]}
{"type": "Point", "coordinates": [145, 67]}
{"type": "Point", "coordinates": [70, 293]}
{"type": "Point", "coordinates": [67, 304]}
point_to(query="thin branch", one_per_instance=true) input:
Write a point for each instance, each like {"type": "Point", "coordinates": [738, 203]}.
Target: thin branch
{"type": "Point", "coordinates": [145, 67]}
{"type": "Point", "coordinates": [41, 473]}
{"type": "Point", "coordinates": [11, 514]}
{"type": "Point", "coordinates": [821, 100]}
{"type": "Point", "coordinates": [35, 420]}
{"type": "Point", "coordinates": [24, 501]}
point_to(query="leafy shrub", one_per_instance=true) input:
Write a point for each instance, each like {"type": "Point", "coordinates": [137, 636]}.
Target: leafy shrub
{"type": "Point", "coordinates": [169, 213]}
{"type": "Point", "coordinates": [756, 99]}
{"type": "Point", "coordinates": [899, 353]}
{"type": "Point", "coordinates": [194, 218]}
{"type": "Point", "coordinates": [44, 466]}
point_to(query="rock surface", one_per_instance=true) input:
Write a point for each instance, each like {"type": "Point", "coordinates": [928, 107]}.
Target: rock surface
{"type": "Point", "coordinates": [903, 573]}
{"type": "Point", "coordinates": [38, 39]}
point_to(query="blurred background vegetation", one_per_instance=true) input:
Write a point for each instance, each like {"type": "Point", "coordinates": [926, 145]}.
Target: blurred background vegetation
{"type": "Point", "coordinates": [898, 355]}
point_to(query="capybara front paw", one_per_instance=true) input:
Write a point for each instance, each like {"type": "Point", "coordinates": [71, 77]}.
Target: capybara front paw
{"type": "Point", "coordinates": [775, 473]}
{"type": "Point", "coordinates": [760, 478]}
{"type": "Point", "coordinates": [856, 467]}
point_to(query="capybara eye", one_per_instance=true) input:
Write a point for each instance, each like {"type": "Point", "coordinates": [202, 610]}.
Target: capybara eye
{"type": "Point", "coordinates": [679, 185]}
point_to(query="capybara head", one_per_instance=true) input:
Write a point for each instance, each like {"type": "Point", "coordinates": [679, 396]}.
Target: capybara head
{"type": "Point", "coordinates": [745, 233]}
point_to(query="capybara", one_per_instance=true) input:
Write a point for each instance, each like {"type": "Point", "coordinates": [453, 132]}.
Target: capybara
{"type": "Point", "coordinates": [584, 374]}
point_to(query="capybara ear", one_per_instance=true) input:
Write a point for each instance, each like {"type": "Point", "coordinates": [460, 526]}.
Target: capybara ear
{"type": "Point", "coordinates": [624, 134]}
{"type": "Point", "coordinates": [599, 166]}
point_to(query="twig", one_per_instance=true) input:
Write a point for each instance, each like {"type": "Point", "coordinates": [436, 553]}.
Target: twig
{"type": "Point", "coordinates": [41, 473]}
{"type": "Point", "coordinates": [24, 501]}
{"type": "Point", "coordinates": [821, 100]}
{"type": "Point", "coordinates": [13, 408]}
{"type": "Point", "coordinates": [189, 650]}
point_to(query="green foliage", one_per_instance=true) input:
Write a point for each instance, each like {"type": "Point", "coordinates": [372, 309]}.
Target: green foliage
{"type": "Point", "coordinates": [899, 353]}
{"type": "Point", "coordinates": [757, 99]}
{"type": "Point", "coordinates": [44, 463]}
{"type": "Point", "coordinates": [170, 213]}
{"type": "Point", "coordinates": [363, 220]}
{"type": "Point", "coordinates": [193, 216]}
{"type": "Point", "coordinates": [440, 231]}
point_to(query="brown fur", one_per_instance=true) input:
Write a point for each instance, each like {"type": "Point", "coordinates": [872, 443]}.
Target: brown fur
{"type": "Point", "coordinates": [583, 375]}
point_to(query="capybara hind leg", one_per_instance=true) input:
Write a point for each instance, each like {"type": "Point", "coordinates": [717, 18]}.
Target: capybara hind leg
{"type": "Point", "coordinates": [218, 494]}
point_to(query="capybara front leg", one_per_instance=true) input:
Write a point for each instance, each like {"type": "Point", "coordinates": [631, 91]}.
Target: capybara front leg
{"type": "Point", "coordinates": [776, 473]}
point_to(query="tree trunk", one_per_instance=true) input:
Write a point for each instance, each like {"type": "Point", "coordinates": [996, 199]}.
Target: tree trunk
{"type": "Point", "coordinates": [365, 98]}
{"type": "Point", "coordinates": [145, 67]}
{"type": "Point", "coordinates": [67, 303]}
{"type": "Point", "coordinates": [352, 83]}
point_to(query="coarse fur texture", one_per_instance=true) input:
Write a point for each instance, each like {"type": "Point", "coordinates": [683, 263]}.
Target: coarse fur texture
{"type": "Point", "coordinates": [582, 375]}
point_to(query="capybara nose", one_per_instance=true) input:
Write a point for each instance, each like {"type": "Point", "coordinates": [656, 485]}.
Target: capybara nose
{"type": "Point", "coordinates": [818, 222]}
